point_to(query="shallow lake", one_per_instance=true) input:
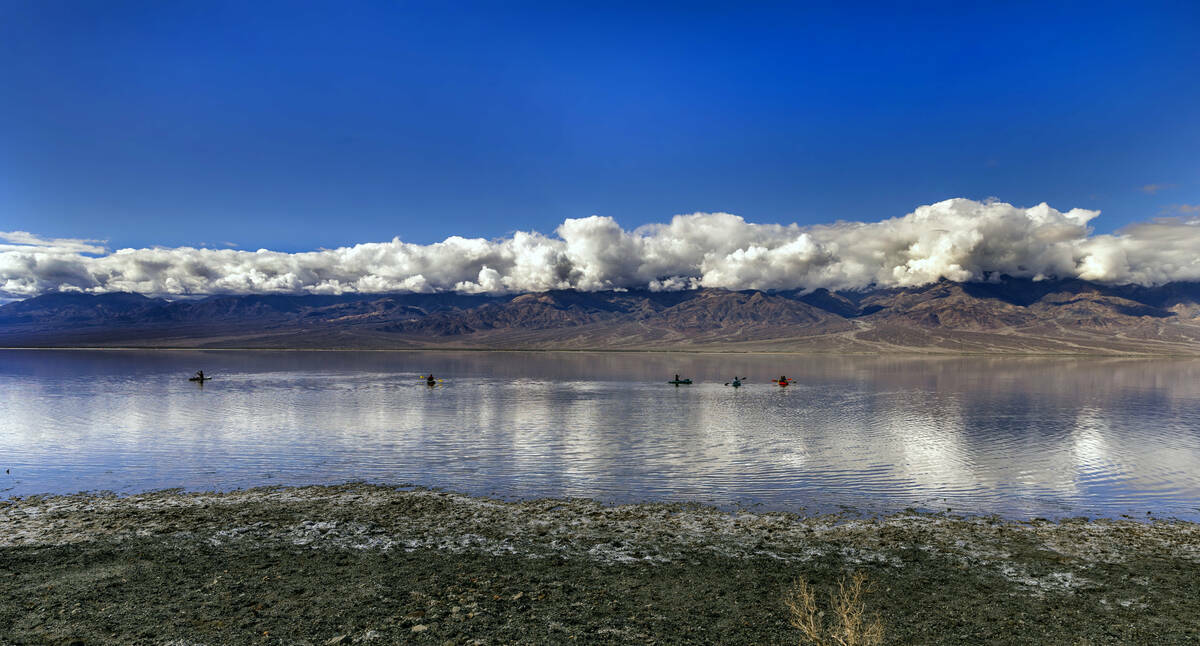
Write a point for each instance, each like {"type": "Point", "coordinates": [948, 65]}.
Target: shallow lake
{"type": "Point", "coordinates": [1018, 437]}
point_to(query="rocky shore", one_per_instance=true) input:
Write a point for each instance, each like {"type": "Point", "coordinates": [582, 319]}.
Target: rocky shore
{"type": "Point", "coordinates": [372, 564]}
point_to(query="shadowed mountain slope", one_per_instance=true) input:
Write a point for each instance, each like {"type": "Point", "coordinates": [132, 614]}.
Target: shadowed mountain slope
{"type": "Point", "coordinates": [1001, 316]}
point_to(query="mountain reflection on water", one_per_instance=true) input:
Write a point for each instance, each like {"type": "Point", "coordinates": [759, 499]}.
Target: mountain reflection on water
{"type": "Point", "coordinates": [1018, 437]}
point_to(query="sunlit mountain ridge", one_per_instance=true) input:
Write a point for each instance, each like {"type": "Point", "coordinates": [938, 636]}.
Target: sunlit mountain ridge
{"type": "Point", "coordinates": [1006, 315]}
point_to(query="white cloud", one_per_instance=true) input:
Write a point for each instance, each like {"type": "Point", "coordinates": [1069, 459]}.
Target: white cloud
{"type": "Point", "coordinates": [956, 239]}
{"type": "Point", "coordinates": [23, 239]}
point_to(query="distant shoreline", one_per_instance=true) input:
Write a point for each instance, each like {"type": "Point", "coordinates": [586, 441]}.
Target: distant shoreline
{"type": "Point", "coordinates": [907, 354]}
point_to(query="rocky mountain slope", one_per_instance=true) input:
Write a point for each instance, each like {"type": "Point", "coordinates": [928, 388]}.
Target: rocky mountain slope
{"type": "Point", "coordinates": [1005, 316]}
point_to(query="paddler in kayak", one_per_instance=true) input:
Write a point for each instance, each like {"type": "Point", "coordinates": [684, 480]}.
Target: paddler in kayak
{"type": "Point", "coordinates": [200, 375]}
{"type": "Point", "coordinates": [430, 381]}
{"type": "Point", "coordinates": [783, 381]}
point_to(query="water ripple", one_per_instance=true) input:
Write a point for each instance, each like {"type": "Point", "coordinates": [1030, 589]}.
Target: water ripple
{"type": "Point", "coordinates": [1016, 437]}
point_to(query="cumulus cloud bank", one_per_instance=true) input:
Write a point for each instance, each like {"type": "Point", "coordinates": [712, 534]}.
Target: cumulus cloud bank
{"type": "Point", "coordinates": [956, 239]}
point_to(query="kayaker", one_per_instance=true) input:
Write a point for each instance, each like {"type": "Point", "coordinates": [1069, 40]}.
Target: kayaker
{"type": "Point", "coordinates": [200, 375]}
{"type": "Point", "coordinates": [430, 381]}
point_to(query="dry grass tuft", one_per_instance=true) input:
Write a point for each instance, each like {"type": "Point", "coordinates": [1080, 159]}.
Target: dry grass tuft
{"type": "Point", "coordinates": [847, 623]}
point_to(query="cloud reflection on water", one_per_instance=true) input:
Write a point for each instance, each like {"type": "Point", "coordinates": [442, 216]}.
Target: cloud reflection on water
{"type": "Point", "coordinates": [1017, 436]}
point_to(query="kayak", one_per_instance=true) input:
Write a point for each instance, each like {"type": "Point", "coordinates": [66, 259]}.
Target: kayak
{"type": "Point", "coordinates": [199, 378]}
{"type": "Point", "coordinates": [680, 382]}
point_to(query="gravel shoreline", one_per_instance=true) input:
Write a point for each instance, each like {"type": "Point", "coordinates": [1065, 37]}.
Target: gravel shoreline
{"type": "Point", "coordinates": [373, 564]}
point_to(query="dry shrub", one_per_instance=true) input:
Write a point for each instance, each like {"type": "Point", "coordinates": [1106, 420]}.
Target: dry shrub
{"type": "Point", "coordinates": [846, 624]}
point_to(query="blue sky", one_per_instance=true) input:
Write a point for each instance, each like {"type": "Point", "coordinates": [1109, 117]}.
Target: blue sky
{"type": "Point", "coordinates": [295, 126]}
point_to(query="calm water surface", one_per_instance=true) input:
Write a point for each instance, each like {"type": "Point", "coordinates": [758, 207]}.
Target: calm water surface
{"type": "Point", "coordinates": [1019, 437]}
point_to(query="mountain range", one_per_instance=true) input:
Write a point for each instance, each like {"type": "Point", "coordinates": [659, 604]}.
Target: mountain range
{"type": "Point", "coordinates": [1005, 315]}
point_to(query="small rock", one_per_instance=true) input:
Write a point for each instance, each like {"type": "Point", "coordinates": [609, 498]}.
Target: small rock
{"type": "Point", "coordinates": [340, 639]}
{"type": "Point", "coordinates": [420, 628]}
{"type": "Point", "coordinates": [370, 636]}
